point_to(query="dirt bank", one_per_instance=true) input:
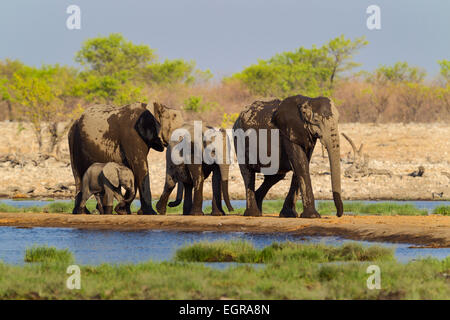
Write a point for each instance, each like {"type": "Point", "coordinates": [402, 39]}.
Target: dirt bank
{"type": "Point", "coordinates": [433, 231]}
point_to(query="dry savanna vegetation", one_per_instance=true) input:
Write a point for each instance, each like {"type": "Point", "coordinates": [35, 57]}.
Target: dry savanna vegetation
{"type": "Point", "coordinates": [398, 113]}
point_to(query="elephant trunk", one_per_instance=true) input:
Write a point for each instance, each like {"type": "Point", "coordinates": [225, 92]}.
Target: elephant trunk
{"type": "Point", "coordinates": [132, 194]}
{"type": "Point", "coordinates": [179, 198]}
{"type": "Point", "coordinates": [332, 146]}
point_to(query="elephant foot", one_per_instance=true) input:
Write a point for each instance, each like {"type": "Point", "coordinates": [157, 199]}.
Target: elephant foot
{"type": "Point", "coordinates": [81, 211]}
{"type": "Point", "coordinates": [217, 213]}
{"type": "Point", "coordinates": [252, 213]}
{"type": "Point", "coordinates": [107, 209]}
{"type": "Point", "coordinates": [121, 211]}
{"type": "Point", "coordinates": [197, 213]}
{"type": "Point", "coordinates": [160, 208]}
{"type": "Point", "coordinates": [147, 212]}
{"type": "Point", "coordinates": [310, 213]}
{"type": "Point", "coordinates": [288, 213]}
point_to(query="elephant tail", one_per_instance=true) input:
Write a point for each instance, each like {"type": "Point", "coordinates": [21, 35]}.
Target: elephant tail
{"type": "Point", "coordinates": [177, 202]}
{"type": "Point", "coordinates": [226, 197]}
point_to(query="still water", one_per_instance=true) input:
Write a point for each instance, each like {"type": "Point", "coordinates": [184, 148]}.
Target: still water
{"type": "Point", "coordinates": [98, 246]}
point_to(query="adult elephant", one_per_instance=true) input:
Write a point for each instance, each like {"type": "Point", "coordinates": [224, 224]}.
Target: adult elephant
{"type": "Point", "coordinates": [301, 121]}
{"type": "Point", "coordinates": [106, 133]}
{"type": "Point", "coordinates": [191, 176]}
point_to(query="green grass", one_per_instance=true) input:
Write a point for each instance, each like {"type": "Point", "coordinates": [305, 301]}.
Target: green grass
{"type": "Point", "coordinates": [293, 272]}
{"type": "Point", "coordinates": [444, 210]}
{"type": "Point", "coordinates": [239, 251]}
{"type": "Point", "coordinates": [54, 207]}
{"type": "Point", "coordinates": [273, 206]}
{"type": "Point", "coordinates": [384, 208]}
{"type": "Point", "coordinates": [48, 255]}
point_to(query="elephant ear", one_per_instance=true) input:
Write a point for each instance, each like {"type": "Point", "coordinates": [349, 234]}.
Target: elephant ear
{"type": "Point", "coordinates": [158, 110]}
{"type": "Point", "coordinates": [148, 129]}
{"type": "Point", "coordinates": [111, 173]}
{"type": "Point", "coordinates": [308, 114]}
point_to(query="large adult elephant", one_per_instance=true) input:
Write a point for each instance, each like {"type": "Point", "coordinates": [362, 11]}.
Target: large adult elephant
{"type": "Point", "coordinates": [106, 133]}
{"type": "Point", "coordinates": [301, 121]}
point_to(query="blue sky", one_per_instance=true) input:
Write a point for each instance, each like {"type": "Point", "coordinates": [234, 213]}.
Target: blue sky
{"type": "Point", "coordinates": [227, 35]}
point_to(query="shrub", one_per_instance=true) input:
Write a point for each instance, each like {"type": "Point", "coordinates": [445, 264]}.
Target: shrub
{"type": "Point", "coordinates": [196, 104]}
{"type": "Point", "coordinates": [444, 210]}
{"type": "Point", "coordinates": [48, 254]}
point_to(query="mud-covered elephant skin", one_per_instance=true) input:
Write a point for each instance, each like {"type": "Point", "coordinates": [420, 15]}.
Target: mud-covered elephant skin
{"type": "Point", "coordinates": [124, 135]}
{"type": "Point", "coordinates": [190, 177]}
{"type": "Point", "coordinates": [104, 181]}
{"type": "Point", "coordinates": [301, 121]}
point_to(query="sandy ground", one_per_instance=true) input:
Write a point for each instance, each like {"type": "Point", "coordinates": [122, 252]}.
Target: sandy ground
{"type": "Point", "coordinates": [431, 231]}
{"type": "Point", "coordinates": [399, 148]}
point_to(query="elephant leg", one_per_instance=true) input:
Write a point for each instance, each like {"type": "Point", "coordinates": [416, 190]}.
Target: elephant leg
{"type": "Point", "coordinates": [76, 208]}
{"type": "Point", "coordinates": [85, 195]}
{"type": "Point", "coordinates": [127, 205]}
{"type": "Point", "coordinates": [99, 203]}
{"type": "Point", "coordinates": [288, 210]}
{"type": "Point", "coordinates": [169, 185]}
{"type": "Point", "coordinates": [121, 206]}
{"type": "Point", "coordinates": [142, 180]}
{"type": "Point", "coordinates": [249, 183]}
{"type": "Point", "coordinates": [269, 181]}
{"type": "Point", "coordinates": [108, 201]}
{"type": "Point", "coordinates": [187, 204]}
{"type": "Point", "coordinates": [197, 178]}
{"type": "Point", "coordinates": [217, 194]}
{"type": "Point", "coordinates": [300, 165]}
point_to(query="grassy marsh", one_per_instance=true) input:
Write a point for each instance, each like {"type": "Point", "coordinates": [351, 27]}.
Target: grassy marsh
{"type": "Point", "coordinates": [292, 272]}
{"type": "Point", "coordinates": [240, 251]}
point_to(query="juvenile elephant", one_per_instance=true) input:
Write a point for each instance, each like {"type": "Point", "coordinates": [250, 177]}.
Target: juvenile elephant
{"type": "Point", "coordinates": [190, 176]}
{"type": "Point", "coordinates": [106, 133]}
{"type": "Point", "coordinates": [301, 121]}
{"type": "Point", "coordinates": [104, 181]}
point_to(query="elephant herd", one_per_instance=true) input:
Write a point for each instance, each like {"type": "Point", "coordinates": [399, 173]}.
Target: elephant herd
{"type": "Point", "coordinates": [109, 147]}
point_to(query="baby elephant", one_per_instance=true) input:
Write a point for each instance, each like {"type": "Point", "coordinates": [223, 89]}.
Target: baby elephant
{"type": "Point", "coordinates": [105, 180]}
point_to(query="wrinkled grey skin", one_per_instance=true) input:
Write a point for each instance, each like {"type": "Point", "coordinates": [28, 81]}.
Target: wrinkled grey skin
{"type": "Point", "coordinates": [125, 135]}
{"type": "Point", "coordinates": [301, 121]}
{"type": "Point", "coordinates": [190, 177]}
{"type": "Point", "coordinates": [104, 181]}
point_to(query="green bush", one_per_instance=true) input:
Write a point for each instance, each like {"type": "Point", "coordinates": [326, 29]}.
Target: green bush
{"type": "Point", "coordinates": [196, 104]}
{"type": "Point", "coordinates": [444, 210]}
{"type": "Point", "coordinates": [48, 254]}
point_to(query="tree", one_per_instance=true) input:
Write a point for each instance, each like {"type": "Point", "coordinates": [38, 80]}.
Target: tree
{"type": "Point", "coordinates": [7, 70]}
{"type": "Point", "coordinates": [114, 54]}
{"type": "Point", "coordinates": [43, 95]}
{"type": "Point", "coordinates": [399, 72]}
{"type": "Point", "coordinates": [342, 51]}
{"type": "Point", "coordinates": [116, 70]}
{"type": "Point", "coordinates": [445, 69]}
{"type": "Point", "coordinates": [175, 71]}
{"type": "Point", "coordinates": [107, 89]}
{"type": "Point", "coordinates": [307, 71]}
